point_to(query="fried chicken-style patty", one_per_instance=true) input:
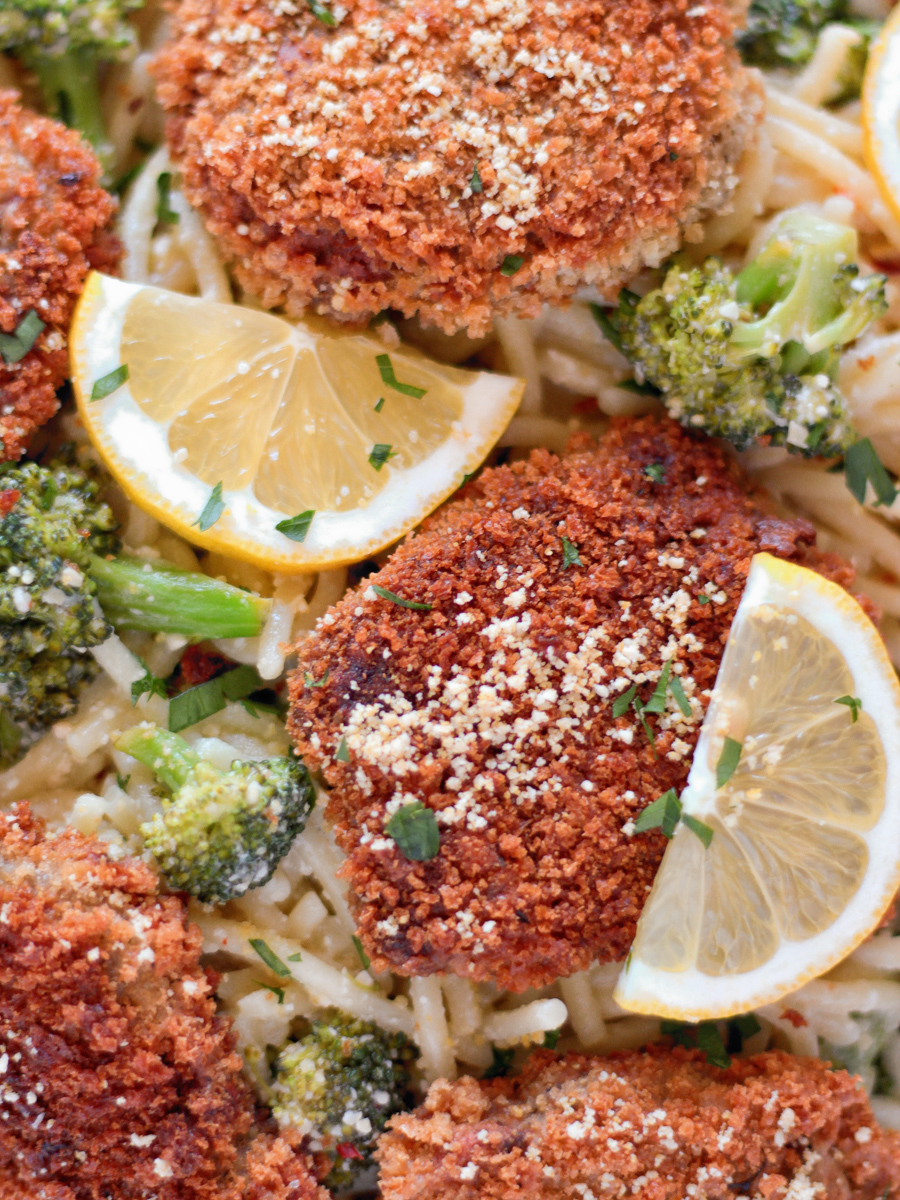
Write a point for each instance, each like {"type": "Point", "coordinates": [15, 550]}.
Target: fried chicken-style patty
{"type": "Point", "coordinates": [555, 585]}
{"type": "Point", "coordinates": [455, 160]}
{"type": "Point", "coordinates": [54, 219]}
{"type": "Point", "coordinates": [117, 1079]}
{"type": "Point", "coordinates": [656, 1125]}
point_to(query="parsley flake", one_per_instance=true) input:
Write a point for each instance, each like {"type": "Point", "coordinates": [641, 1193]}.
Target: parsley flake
{"type": "Point", "coordinates": [475, 184]}
{"type": "Point", "coordinates": [164, 212]}
{"type": "Point", "coordinates": [212, 510]}
{"type": "Point", "coordinates": [123, 781]}
{"type": "Point", "coordinates": [342, 754]}
{"type": "Point", "coordinates": [107, 384]}
{"type": "Point", "coordinates": [854, 704]}
{"type": "Point", "coordinates": [863, 466]}
{"type": "Point", "coordinates": [395, 599]}
{"type": "Point", "coordinates": [363, 957]}
{"type": "Point", "coordinates": [14, 346]}
{"type": "Point", "coordinates": [380, 453]}
{"type": "Point", "coordinates": [380, 405]}
{"type": "Point", "coordinates": [709, 1040]}
{"type": "Point", "coordinates": [551, 1038]}
{"type": "Point", "coordinates": [295, 957]}
{"type": "Point", "coordinates": [656, 471]}
{"type": "Point", "coordinates": [622, 703]}
{"type": "Point", "coordinates": [386, 369]}
{"type": "Point", "coordinates": [664, 813]}
{"type": "Point", "coordinates": [148, 683]}
{"type": "Point", "coordinates": [296, 528]}
{"type": "Point", "coordinates": [609, 331]}
{"type": "Point", "coordinates": [698, 827]}
{"type": "Point", "coordinates": [677, 690]}
{"type": "Point", "coordinates": [315, 683]}
{"type": "Point", "coordinates": [415, 830]}
{"type": "Point", "coordinates": [270, 958]}
{"type": "Point", "coordinates": [746, 1025]}
{"type": "Point", "coordinates": [322, 13]}
{"type": "Point", "coordinates": [511, 264]}
{"type": "Point", "coordinates": [197, 703]}
{"type": "Point", "coordinates": [728, 761]}
{"type": "Point", "coordinates": [570, 555]}
{"type": "Point", "coordinates": [501, 1064]}
{"type": "Point", "coordinates": [279, 992]}
{"type": "Point", "coordinates": [701, 599]}
{"type": "Point", "coordinates": [657, 702]}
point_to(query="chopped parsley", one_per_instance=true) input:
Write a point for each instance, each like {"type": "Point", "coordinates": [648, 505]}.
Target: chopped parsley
{"type": "Point", "coordinates": [664, 814]}
{"type": "Point", "coordinates": [863, 466]}
{"type": "Point", "coordinates": [279, 992]}
{"type": "Point", "coordinates": [501, 1064]}
{"type": "Point", "coordinates": [308, 680]}
{"type": "Point", "coordinates": [14, 346]}
{"type": "Point", "coordinates": [656, 471]}
{"type": "Point", "coordinates": [296, 528]}
{"type": "Point", "coordinates": [342, 754]}
{"type": "Point", "coordinates": [322, 13]}
{"type": "Point", "coordinates": [570, 555]}
{"type": "Point", "coordinates": [380, 453]}
{"type": "Point", "coordinates": [212, 510]}
{"type": "Point", "coordinates": [386, 368]}
{"type": "Point", "coordinates": [164, 212]}
{"type": "Point", "coordinates": [270, 958]}
{"type": "Point", "coordinates": [475, 183]}
{"type": "Point", "coordinates": [415, 830]}
{"type": "Point", "coordinates": [607, 328]}
{"type": "Point", "coordinates": [657, 702]}
{"type": "Point", "coordinates": [511, 264]}
{"type": "Point", "coordinates": [705, 1037]}
{"type": "Point", "coordinates": [123, 781]}
{"type": "Point", "coordinates": [380, 405]}
{"type": "Point", "coordinates": [639, 707]}
{"type": "Point", "coordinates": [148, 683]}
{"type": "Point", "coordinates": [853, 703]}
{"type": "Point", "coordinates": [622, 703]}
{"type": "Point", "coordinates": [728, 761]}
{"type": "Point", "coordinates": [107, 384]}
{"type": "Point", "coordinates": [701, 599]}
{"type": "Point", "coordinates": [395, 599]}
{"type": "Point", "coordinates": [700, 828]}
{"type": "Point", "coordinates": [551, 1038]}
{"type": "Point", "coordinates": [677, 690]}
{"type": "Point", "coordinates": [295, 957]}
{"type": "Point", "coordinates": [197, 703]}
{"type": "Point", "coordinates": [363, 957]}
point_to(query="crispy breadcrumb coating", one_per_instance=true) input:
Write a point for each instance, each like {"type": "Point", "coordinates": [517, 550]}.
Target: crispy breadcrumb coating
{"type": "Point", "coordinates": [494, 709]}
{"type": "Point", "coordinates": [657, 1125]}
{"type": "Point", "coordinates": [118, 1079]}
{"type": "Point", "coordinates": [54, 219]}
{"type": "Point", "coordinates": [403, 156]}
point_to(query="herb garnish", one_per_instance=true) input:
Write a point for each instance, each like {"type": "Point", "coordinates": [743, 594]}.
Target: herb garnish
{"type": "Point", "coordinates": [212, 510]}
{"type": "Point", "coordinates": [705, 1037]}
{"type": "Point", "coordinates": [197, 703]}
{"type": "Point", "coordinates": [701, 599]}
{"type": "Point", "coordinates": [148, 683]}
{"type": "Point", "coordinates": [511, 264]}
{"type": "Point", "coordinates": [664, 814]}
{"type": "Point", "coordinates": [107, 384]}
{"type": "Point", "coordinates": [380, 405]}
{"type": "Point", "coordinates": [622, 703]}
{"type": "Point", "coordinates": [295, 957]}
{"type": "Point", "coordinates": [395, 599]}
{"type": "Point", "coordinates": [677, 690]}
{"type": "Point", "coordinates": [728, 761]}
{"type": "Point", "coordinates": [363, 957]}
{"type": "Point", "coordinates": [607, 328]}
{"type": "Point", "coordinates": [164, 212]}
{"type": "Point", "coordinates": [380, 453]}
{"type": "Point", "coordinates": [853, 703]}
{"type": "Point", "coordinates": [570, 555]}
{"type": "Point", "coordinates": [279, 992]}
{"type": "Point", "coordinates": [308, 680]}
{"type": "Point", "coordinates": [657, 702]}
{"type": "Point", "coordinates": [322, 13]}
{"type": "Point", "coordinates": [501, 1064]}
{"type": "Point", "coordinates": [861, 466]}
{"type": "Point", "coordinates": [386, 368]}
{"type": "Point", "coordinates": [475, 183]}
{"type": "Point", "coordinates": [270, 958]}
{"type": "Point", "coordinates": [296, 528]}
{"type": "Point", "coordinates": [700, 828]}
{"type": "Point", "coordinates": [14, 346]}
{"type": "Point", "coordinates": [342, 753]}
{"type": "Point", "coordinates": [551, 1037]}
{"type": "Point", "coordinates": [656, 471]}
{"type": "Point", "coordinates": [414, 828]}
{"type": "Point", "coordinates": [123, 781]}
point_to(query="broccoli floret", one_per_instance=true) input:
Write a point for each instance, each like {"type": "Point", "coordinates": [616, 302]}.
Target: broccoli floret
{"type": "Point", "coordinates": [753, 357]}
{"type": "Point", "coordinates": [783, 33]}
{"type": "Point", "coordinates": [220, 832]}
{"type": "Point", "coordinates": [63, 588]}
{"type": "Point", "coordinates": [338, 1085]}
{"type": "Point", "coordinates": [64, 42]}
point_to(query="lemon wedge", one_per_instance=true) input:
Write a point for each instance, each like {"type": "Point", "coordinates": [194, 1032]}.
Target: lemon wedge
{"type": "Point", "coordinates": [881, 111]}
{"type": "Point", "coordinates": [232, 422]}
{"type": "Point", "coordinates": [797, 777]}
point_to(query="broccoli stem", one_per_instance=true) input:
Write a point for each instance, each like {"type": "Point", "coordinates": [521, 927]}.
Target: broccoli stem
{"type": "Point", "coordinates": [71, 89]}
{"type": "Point", "coordinates": [167, 755]}
{"type": "Point", "coordinates": [166, 599]}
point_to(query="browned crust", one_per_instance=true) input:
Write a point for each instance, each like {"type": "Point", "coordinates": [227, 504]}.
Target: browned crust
{"type": "Point", "coordinates": [664, 1126]}
{"type": "Point", "coordinates": [54, 219]}
{"type": "Point", "coordinates": [108, 1034]}
{"type": "Point", "coordinates": [338, 179]}
{"type": "Point", "coordinates": [543, 879]}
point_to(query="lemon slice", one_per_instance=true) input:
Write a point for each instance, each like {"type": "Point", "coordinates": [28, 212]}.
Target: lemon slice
{"type": "Point", "coordinates": [805, 850]}
{"type": "Point", "coordinates": [881, 112]}
{"type": "Point", "coordinates": [285, 417]}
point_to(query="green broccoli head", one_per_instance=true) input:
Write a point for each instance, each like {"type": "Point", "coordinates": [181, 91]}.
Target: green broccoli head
{"type": "Point", "coordinates": [783, 33]}
{"type": "Point", "coordinates": [53, 524]}
{"type": "Point", "coordinates": [338, 1085]}
{"type": "Point", "coordinates": [220, 832]}
{"type": "Point", "coordinates": [753, 357]}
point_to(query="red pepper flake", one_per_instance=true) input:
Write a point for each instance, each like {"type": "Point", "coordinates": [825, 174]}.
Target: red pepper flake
{"type": "Point", "coordinates": [348, 1150]}
{"type": "Point", "coordinates": [8, 500]}
{"type": "Point", "coordinates": [199, 666]}
{"type": "Point", "coordinates": [796, 1019]}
